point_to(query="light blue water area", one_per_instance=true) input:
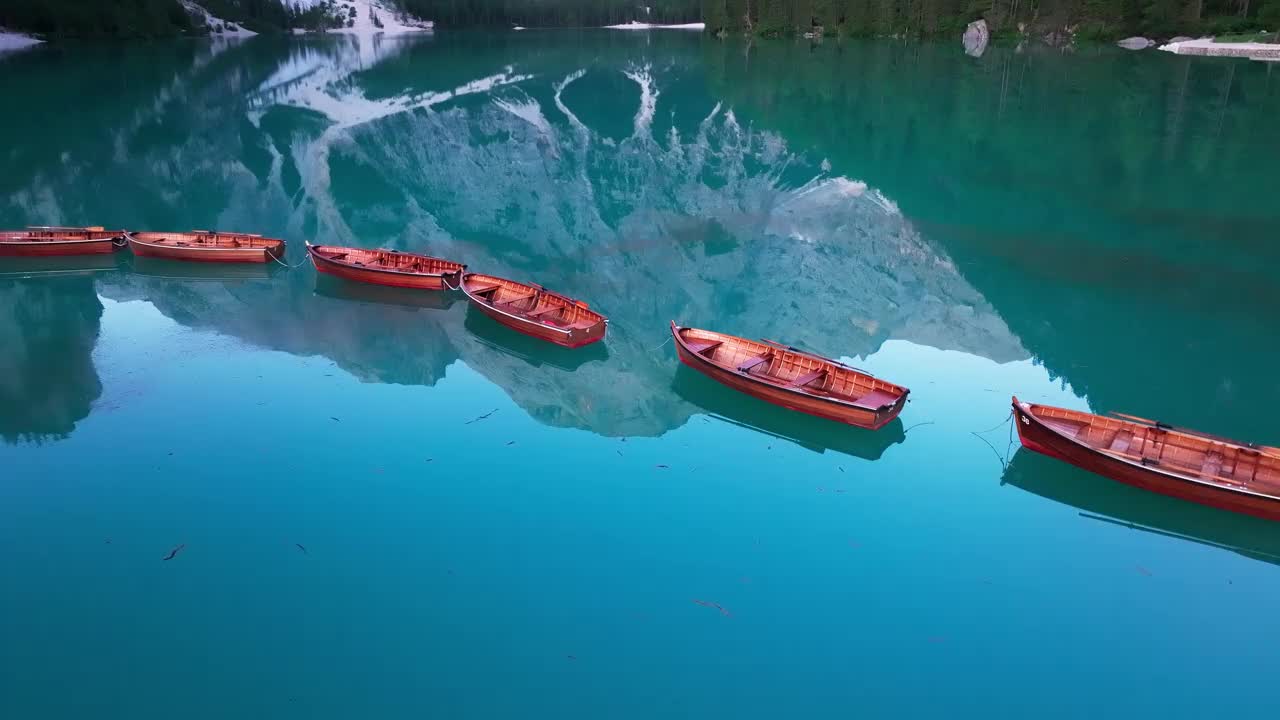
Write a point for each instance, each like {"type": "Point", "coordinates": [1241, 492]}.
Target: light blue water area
{"type": "Point", "coordinates": [491, 527]}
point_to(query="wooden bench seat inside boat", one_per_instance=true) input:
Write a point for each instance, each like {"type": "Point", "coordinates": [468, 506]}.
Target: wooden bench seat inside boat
{"type": "Point", "coordinates": [581, 325]}
{"type": "Point", "coordinates": [484, 290]}
{"type": "Point", "coordinates": [704, 347]}
{"type": "Point", "coordinates": [808, 378]}
{"type": "Point", "coordinates": [543, 311]}
{"type": "Point", "coordinates": [755, 362]}
{"type": "Point", "coordinates": [876, 399]}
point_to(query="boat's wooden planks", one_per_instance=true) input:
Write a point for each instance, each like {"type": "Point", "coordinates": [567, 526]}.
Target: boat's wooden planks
{"type": "Point", "coordinates": [205, 246]}
{"type": "Point", "coordinates": [790, 378]}
{"type": "Point", "coordinates": [1213, 471]}
{"type": "Point", "coordinates": [391, 268]}
{"type": "Point", "coordinates": [59, 241]}
{"type": "Point", "coordinates": [534, 311]}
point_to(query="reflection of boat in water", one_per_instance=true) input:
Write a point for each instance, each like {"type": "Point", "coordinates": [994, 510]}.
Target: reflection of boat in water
{"type": "Point", "coordinates": [214, 272]}
{"type": "Point", "coordinates": [339, 289]}
{"type": "Point", "coordinates": [206, 246]}
{"type": "Point", "coordinates": [535, 311]}
{"type": "Point", "coordinates": [531, 350]}
{"type": "Point", "coordinates": [1154, 456]}
{"type": "Point", "coordinates": [54, 266]}
{"type": "Point", "coordinates": [807, 431]}
{"type": "Point", "coordinates": [791, 378]}
{"type": "Point", "coordinates": [1104, 500]}
{"type": "Point", "coordinates": [386, 267]}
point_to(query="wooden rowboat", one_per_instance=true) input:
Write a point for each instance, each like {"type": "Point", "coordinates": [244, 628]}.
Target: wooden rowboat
{"type": "Point", "coordinates": [534, 311]}
{"type": "Point", "coordinates": [53, 241]}
{"type": "Point", "coordinates": [1186, 464]}
{"type": "Point", "coordinates": [206, 246]}
{"type": "Point", "coordinates": [791, 378]}
{"type": "Point", "coordinates": [386, 267]}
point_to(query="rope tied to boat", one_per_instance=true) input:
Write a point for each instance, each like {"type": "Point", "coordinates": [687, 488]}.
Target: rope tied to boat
{"type": "Point", "coordinates": [120, 241]}
{"type": "Point", "coordinates": [444, 280]}
{"type": "Point", "coordinates": [1004, 459]}
{"type": "Point", "coordinates": [287, 265]}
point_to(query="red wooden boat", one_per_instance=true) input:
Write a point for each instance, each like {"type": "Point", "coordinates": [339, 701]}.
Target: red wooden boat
{"type": "Point", "coordinates": [1186, 464]}
{"type": "Point", "coordinates": [534, 311]}
{"type": "Point", "coordinates": [52, 241]}
{"type": "Point", "coordinates": [386, 267]}
{"type": "Point", "coordinates": [791, 378]}
{"type": "Point", "coordinates": [206, 246]}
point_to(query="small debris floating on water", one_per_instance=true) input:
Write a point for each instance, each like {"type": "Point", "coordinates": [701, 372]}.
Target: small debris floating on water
{"type": "Point", "coordinates": [717, 606]}
{"type": "Point", "coordinates": [840, 468]}
{"type": "Point", "coordinates": [429, 459]}
{"type": "Point", "coordinates": [478, 419]}
{"type": "Point", "coordinates": [108, 542]}
{"type": "Point", "coordinates": [174, 552]}
{"type": "Point", "coordinates": [510, 443]}
{"type": "Point", "coordinates": [303, 549]}
{"type": "Point", "coordinates": [619, 452]}
{"type": "Point", "coordinates": [664, 467]}
{"type": "Point", "coordinates": [334, 419]}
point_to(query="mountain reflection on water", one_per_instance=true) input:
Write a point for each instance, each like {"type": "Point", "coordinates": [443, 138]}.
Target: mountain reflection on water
{"type": "Point", "coordinates": [494, 158]}
{"type": "Point", "coordinates": [659, 177]}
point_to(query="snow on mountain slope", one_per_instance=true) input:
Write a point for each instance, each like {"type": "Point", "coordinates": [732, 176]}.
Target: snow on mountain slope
{"type": "Point", "coordinates": [388, 22]}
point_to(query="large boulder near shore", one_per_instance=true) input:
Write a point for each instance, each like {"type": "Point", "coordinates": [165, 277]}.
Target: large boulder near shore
{"type": "Point", "coordinates": [976, 36]}
{"type": "Point", "coordinates": [1136, 43]}
{"type": "Point", "coordinates": [1180, 38]}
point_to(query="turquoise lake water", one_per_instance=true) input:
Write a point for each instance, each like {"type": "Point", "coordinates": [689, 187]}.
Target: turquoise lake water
{"type": "Point", "coordinates": [388, 507]}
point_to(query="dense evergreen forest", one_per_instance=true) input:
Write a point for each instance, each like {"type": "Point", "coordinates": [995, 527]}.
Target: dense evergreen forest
{"type": "Point", "coordinates": [1092, 19]}
{"type": "Point", "coordinates": [552, 13]}
{"type": "Point", "coordinates": [1087, 19]}
{"type": "Point", "coordinates": [160, 18]}
{"type": "Point", "coordinates": [89, 18]}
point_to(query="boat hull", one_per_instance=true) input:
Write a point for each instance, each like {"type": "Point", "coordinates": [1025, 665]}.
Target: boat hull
{"type": "Point", "coordinates": [1036, 436]}
{"type": "Point", "coordinates": [573, 339]}
{"type": "Point", "coordinates": [800, 402]}
{"type": "Point", "coordinates": [58, 248]}
{"type": "Point", "coordinates": [387, 278]}
{"type": "Point", "coordinates": [213, 255]}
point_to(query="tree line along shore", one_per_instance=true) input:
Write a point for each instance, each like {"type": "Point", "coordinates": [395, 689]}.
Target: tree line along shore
{"type": "Point", "coordinates": [1053, 20]}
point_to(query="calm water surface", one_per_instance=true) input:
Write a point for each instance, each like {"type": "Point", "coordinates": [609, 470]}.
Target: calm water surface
{"type": "Point", "coordinates": [1095, 230]}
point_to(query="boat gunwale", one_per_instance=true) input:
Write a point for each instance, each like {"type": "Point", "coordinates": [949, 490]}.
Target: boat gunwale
{"type": "Point", "coordinates": [462, 283]}
{"type": "Point", "coordinates": [675, 331]}
{"type": "Point", "coordinates": [269, 244]}
{"type": "Point", "coordinates": [44, 241]}
{"type": "Point", "coordinates": [314, 252]}
{"type": "Point", "coordinates": [12, 237]}
{"type": "Point", "coordinates": [1026, 408]}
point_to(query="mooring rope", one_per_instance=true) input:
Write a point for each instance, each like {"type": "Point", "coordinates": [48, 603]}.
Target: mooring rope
{"type": "Point", "coordinates": [445, 282]}
{"type": "Point", "coordinates": [285, 264]}
{"type": "Point", "coordinates": [1004, 460]}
